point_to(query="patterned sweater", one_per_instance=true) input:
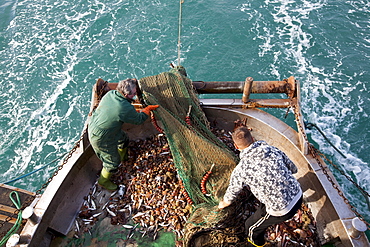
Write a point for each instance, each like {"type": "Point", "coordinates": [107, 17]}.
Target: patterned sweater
{"type": "Point", "coordinates": [268, 173]}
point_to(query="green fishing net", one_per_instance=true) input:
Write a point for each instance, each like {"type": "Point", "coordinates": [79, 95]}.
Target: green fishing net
{"type": "Point", "coordinates": [193, 146]}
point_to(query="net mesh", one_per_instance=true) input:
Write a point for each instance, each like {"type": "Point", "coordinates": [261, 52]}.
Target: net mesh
{"type": "Point", "coordinates": [193, 146]}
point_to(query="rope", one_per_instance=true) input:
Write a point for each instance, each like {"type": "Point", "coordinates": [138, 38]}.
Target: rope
{"type": "Point", "coordinates": [363, 192]}
{"type": "Point", "coordinates": [310, 125]}
{"type": "Point", "coordinates": [34, 171]}
{"type": "Point", "coordinates": [18, 221]}
{"type": "Point", "coordinates": [179, 34]}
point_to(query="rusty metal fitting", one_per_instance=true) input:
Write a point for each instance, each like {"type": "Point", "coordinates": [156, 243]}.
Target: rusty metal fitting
{"type": "Point", "coordinates": [247, 89]}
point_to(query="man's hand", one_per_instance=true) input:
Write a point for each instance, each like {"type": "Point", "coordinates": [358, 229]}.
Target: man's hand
{"type": "Point", "coordinates": [223, 204]}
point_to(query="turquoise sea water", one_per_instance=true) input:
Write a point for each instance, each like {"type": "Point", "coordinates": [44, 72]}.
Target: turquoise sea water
{"type": "Point", "coordinates": [52, 52]}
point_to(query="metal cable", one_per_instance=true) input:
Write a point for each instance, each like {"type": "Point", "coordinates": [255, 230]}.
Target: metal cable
{"type": "Point", "coordinates": [34, 171]}
{"type": "Point", "coordinates": [179, 34]}
{"type": "Point", "coordinates": [310, 125]}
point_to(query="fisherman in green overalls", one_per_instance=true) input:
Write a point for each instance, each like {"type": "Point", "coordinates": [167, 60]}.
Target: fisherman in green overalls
{"type": "Point", "coordinates": [106, 136]}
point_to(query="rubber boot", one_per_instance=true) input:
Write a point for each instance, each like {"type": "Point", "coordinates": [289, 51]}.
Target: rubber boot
{"type": "Point", "coordinates": [123, 153]}
{"type": "Point", "coordinates": [104, 180]}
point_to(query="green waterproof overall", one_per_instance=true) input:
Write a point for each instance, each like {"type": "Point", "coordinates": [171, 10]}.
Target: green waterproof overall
{"type": "Point", "coordinates": [105, 127]}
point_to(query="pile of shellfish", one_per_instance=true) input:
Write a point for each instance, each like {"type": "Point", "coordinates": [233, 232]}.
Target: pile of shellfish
{"type": "Point", "coordinates": [298, 231]}
{"type": "Point", "coordinates": [151, 198]}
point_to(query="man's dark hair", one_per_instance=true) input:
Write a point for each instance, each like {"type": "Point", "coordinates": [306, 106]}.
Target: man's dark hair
{"type": "Point", "coordinates": [242, 137]}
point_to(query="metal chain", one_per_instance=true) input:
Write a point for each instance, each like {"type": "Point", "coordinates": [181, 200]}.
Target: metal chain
{"type": "Point", "coordinates": [342, 172]}
{"type": "Point", "coordinates": [28, 202]}
{"type": "Point", "coordinates": [314, 153]}
{"type": "Point", "coordinates": [77, 144]}
{"type": "Point", "coordinates": [60, 167]}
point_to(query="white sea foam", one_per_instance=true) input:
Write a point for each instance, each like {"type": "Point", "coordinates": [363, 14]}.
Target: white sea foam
{"type": "Point", "coordinates": [35, 125]}
{"type": "Point", "coordinates": [289, 40]}
{"type": "Point", "coordinates": [58, 49]}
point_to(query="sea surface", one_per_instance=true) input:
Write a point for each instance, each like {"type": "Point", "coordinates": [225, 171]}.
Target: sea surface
{"type": "Point", "coordinates": [53, 51]}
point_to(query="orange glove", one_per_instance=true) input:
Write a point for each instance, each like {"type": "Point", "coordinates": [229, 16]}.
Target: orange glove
{"type": "Point", "coordinates": [149, 108]}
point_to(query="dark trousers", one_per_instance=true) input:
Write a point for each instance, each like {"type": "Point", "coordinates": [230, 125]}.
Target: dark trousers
{"type": "Point", "coordinates": [257, 223]}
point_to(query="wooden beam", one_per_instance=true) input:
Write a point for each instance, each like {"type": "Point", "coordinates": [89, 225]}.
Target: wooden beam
{"type": "Point", "coordinates": [7, 208]}
{"type": "Point", "coordinates": [4, 217]}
